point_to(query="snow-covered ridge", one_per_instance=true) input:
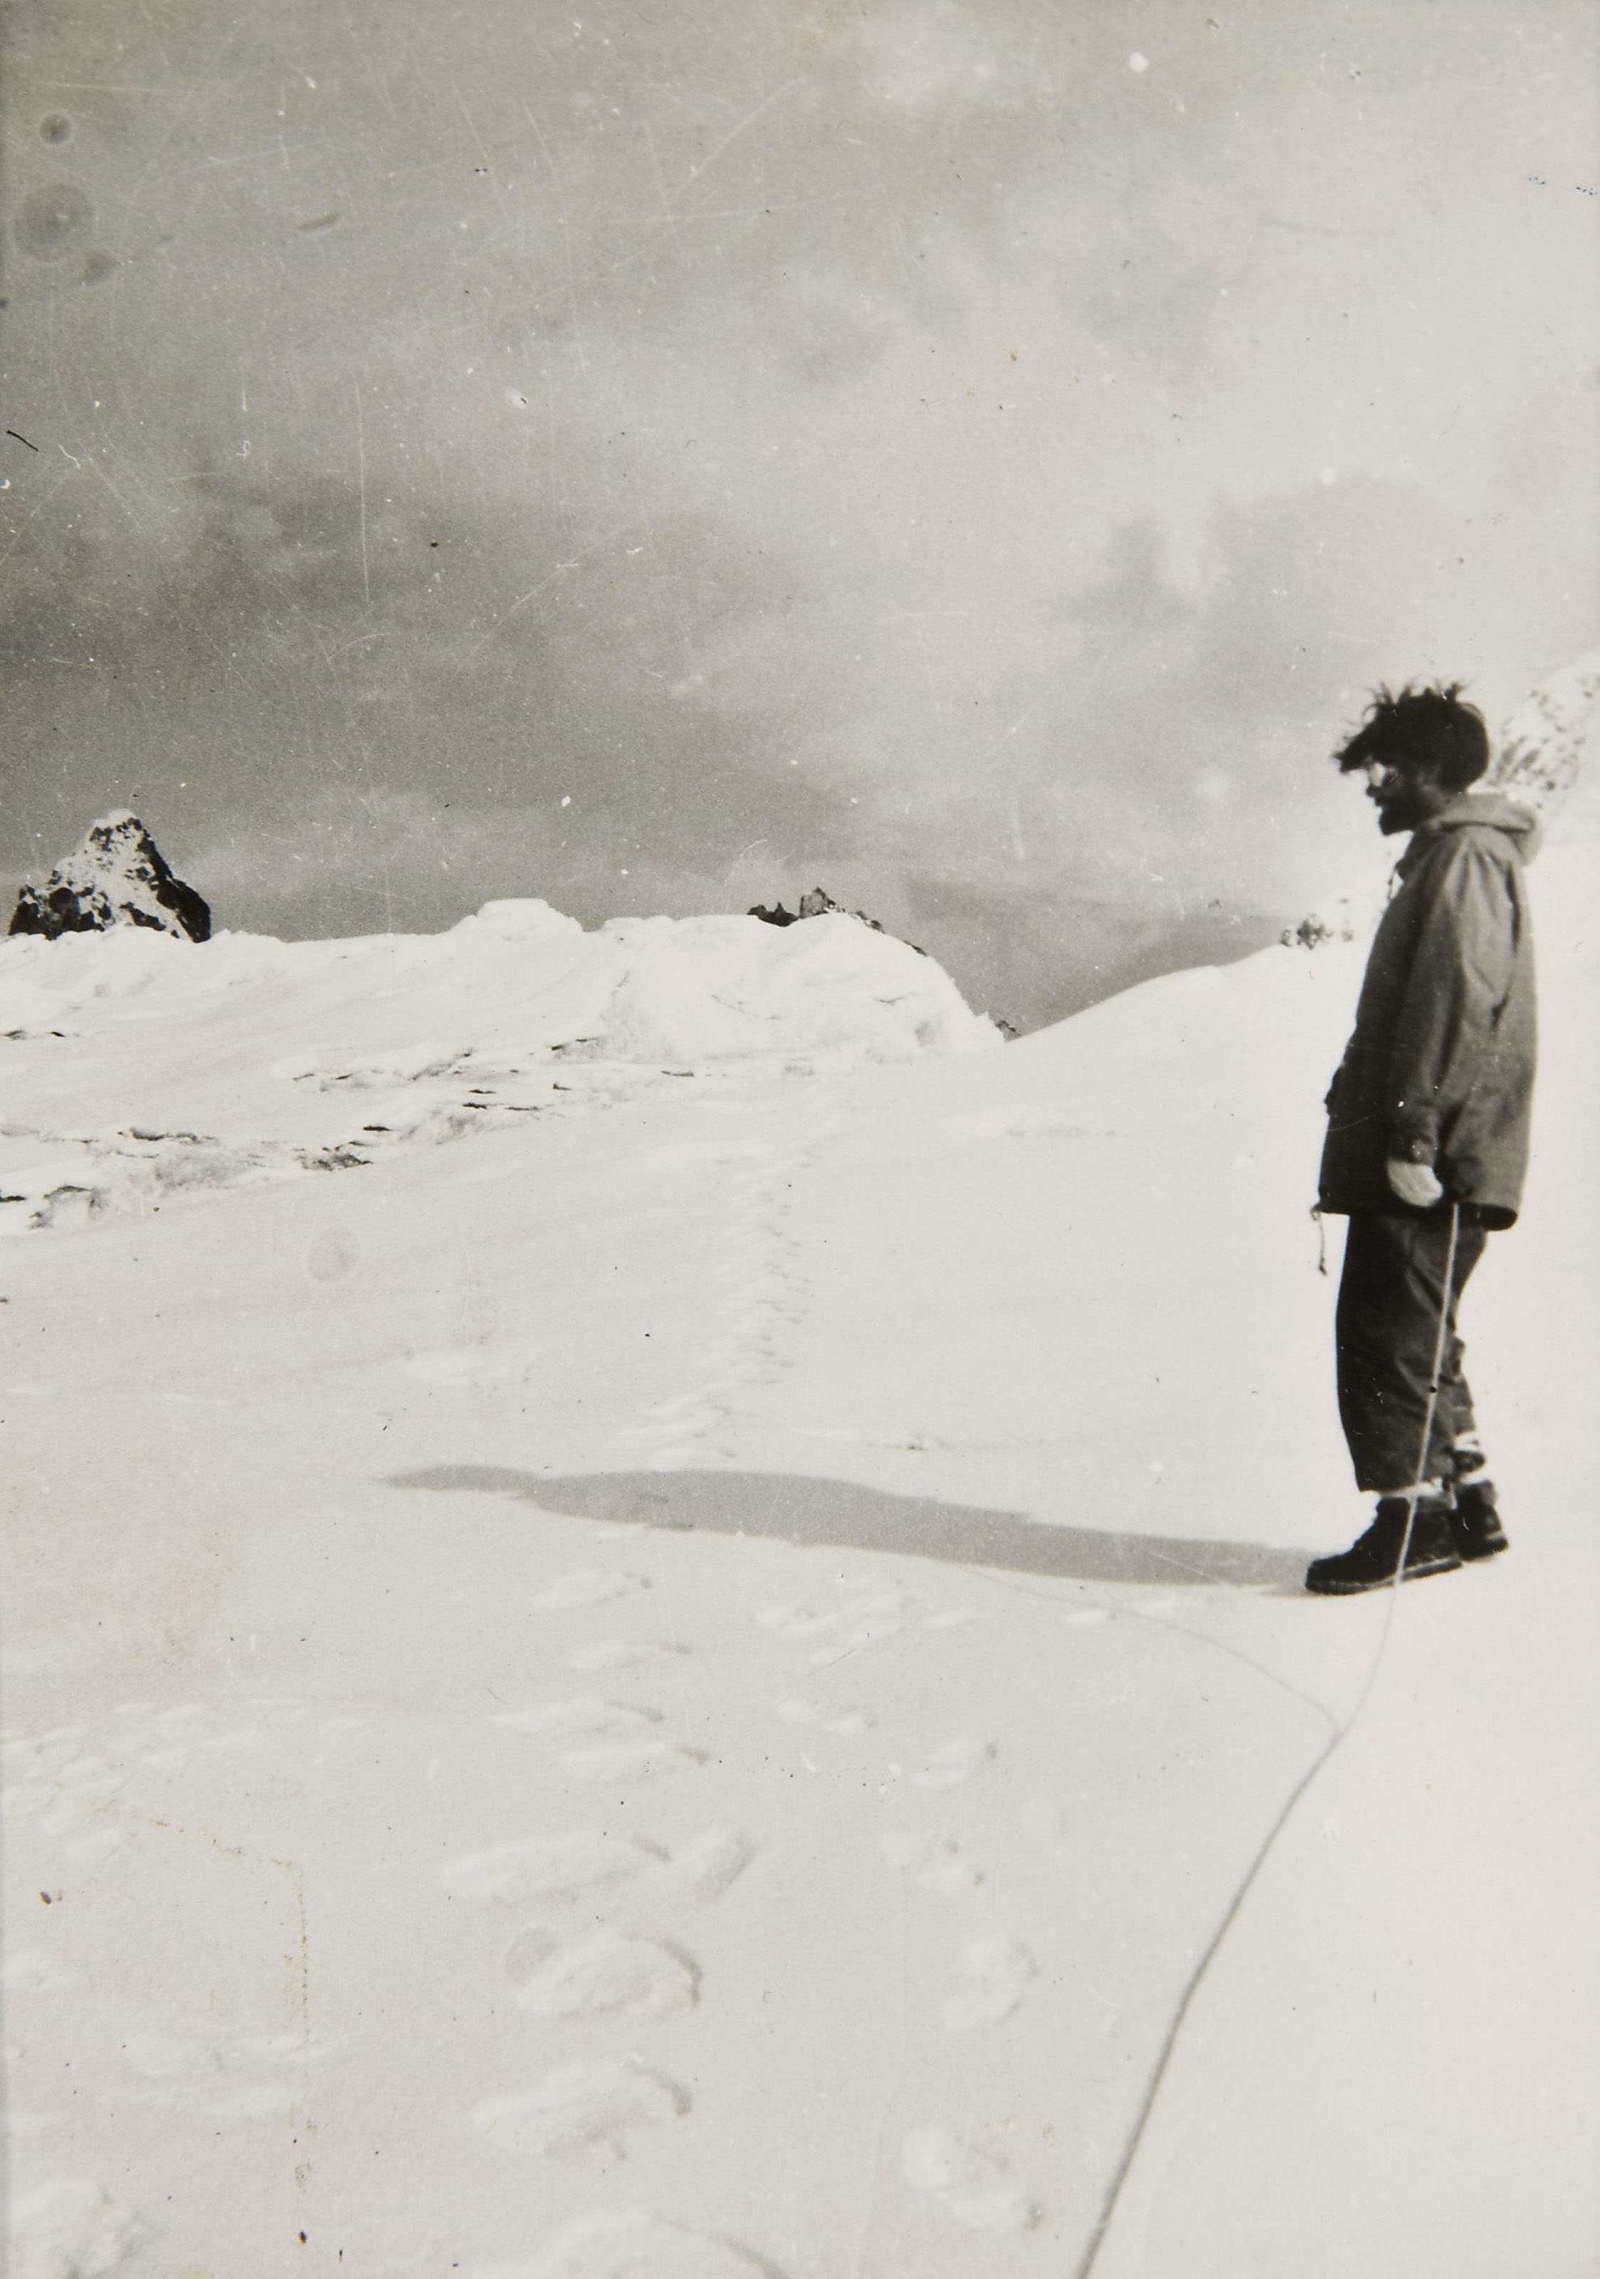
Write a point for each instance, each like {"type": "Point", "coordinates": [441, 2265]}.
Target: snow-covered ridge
{"type": "Point", "coordinates": [137, 1064]}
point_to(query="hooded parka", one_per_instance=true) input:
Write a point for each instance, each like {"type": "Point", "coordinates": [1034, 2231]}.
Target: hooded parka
{"type": "Point", "coordinates": [1440, 1067]}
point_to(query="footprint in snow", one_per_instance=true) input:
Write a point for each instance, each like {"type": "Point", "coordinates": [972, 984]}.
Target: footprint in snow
{"type": "Point", "coordinates": [588, 1714]}
{"type": "Point", "coordinates": [955, 1762]}
{"type": "Point", "coordinates": [996, 1972]}
{"type": "Point", "coordinates": [75, 1808]}
{"type": "Point", "coordinates": [1049, 1826]}
{"type": "Point", "coordinates": [550, 1868]}
{"type": "Point", "coordinates": [71, 2224]}
{"type": "Point", "coordinates": [589, 1586]}
{"type": "Point", "coordinates": [629, 1760]}
{"type": "Point", "coordinates": [1082, 1617]}
{"type": "Point", "coordinates": [602, 1977]}
{"type": "Point", "coordinates": [877, 1614]}
{"type": "Point", "coordinates": [286, 2049]}
{"type": "Point", "coordinates": [794, 1621]}
{"type": "Point", "coordinates": [228, 2079]}
{"type": "Point", "coordinates": [709, 1863]}
{"type": "Point", "coordinates": [972, 2185]}
{"type": "Point", "coordinates": [34, 1970]}
{"type": "Point", "coordinates": [937, 1863]}
{"type": "Point", "coordinates": [165, 2057]}
{"type": "Point", "coordinates": [582, 2108]}
{"type": "Point", "coordinates": [93, 1845]}
{"type": "Point", "coordinates": [554, 1870]}
{"type": "Point", "coordinates": [869, 1622]}
{"type": "Point", "coordinates": [628, 2244]}
{"type": "Point", "coordinates": [815, 1718]}
{"type": "Point", "coordinates": [619, 1654]}
{"type": "Point", "coordinates": [254, 2101]}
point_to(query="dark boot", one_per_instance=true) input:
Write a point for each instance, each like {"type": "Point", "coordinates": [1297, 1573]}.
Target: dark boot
{"type": "Point", "coordinates": [1475, 1525]}
{"type": "Point", "coordinates": [1371, 1561]}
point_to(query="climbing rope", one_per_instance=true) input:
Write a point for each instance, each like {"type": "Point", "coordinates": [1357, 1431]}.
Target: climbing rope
{"type": "Point", "coordinates": [1341, 1733]}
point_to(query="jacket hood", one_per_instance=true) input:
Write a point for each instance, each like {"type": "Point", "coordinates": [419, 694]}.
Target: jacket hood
{"type": "Point", "coordinates": [1489, 810]}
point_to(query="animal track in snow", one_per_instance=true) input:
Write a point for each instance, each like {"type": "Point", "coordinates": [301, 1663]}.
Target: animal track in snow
{"type": "Point", "coordinates": [937, 1863]}
{"type": "Point", "coordinates": [588, 1714]}
{"type": "Point", "coordinates": [973, 2185]}
{"type": "Point", "coordinates": [628, 2244]}
{"type": "Point", "coordinates": [582, 2108]}
{"type": "Point", "coordinates": [552, 1868]}
{"type": "Point", "coordinates": [996, 1972]}
{"type": "Point", "coordinates": [602, 1976]}
{"type": "Point", "coordinates": [588, 1586]}
{"type": "Point", "coordinates": [955, 1762]}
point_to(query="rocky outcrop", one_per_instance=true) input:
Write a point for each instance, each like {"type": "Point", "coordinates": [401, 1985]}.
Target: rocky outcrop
{"type": "Point", "coordinates": [817, 904]}
{"type": "Point", "coordinates": [1314, 930]}
{"type": "Point", "coordinates": [115, 876]}
{"type": "Point", "coordinates": [1545, 746]}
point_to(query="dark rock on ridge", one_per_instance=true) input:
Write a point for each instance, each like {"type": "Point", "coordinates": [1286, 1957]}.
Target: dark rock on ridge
{"type": "Point", "coordinates": [818, 904]}
{"type": "Point", "coordinates": [115, 876]}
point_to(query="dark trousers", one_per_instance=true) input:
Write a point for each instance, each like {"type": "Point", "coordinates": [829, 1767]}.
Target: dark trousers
{"type": "Point", "coordinates": [1384, 1334]}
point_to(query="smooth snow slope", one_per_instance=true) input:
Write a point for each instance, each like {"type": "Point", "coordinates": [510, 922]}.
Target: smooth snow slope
{"type": "Point", "coordinates": [678, 1692]}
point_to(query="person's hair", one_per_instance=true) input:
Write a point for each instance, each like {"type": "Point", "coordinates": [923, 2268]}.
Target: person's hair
{"type": "Point", "coordinates": [1427, 729]}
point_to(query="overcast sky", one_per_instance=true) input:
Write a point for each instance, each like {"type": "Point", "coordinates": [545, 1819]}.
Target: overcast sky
{"type": "Point", "coordinates": [666, 454]}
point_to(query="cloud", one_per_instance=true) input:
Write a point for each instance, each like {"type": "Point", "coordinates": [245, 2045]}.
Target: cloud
{"type": "Point", "coordinates": [929, 55]}
{"type": "Point", "coordinates": [881, 447]}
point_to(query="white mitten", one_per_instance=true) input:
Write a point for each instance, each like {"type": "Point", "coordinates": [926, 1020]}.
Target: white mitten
{"type": "Point", "coordinates": [1414, 1183]}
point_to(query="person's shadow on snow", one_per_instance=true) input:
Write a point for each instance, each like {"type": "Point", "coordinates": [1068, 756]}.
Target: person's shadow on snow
{"type": "Point", "coordinates": [793, 1508]}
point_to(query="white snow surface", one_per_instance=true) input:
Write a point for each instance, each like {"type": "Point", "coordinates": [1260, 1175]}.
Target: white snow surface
{"type": "Point", "coordinates": [150, 1064]}
{"type": "Point", "coordinates": [680, 1690]}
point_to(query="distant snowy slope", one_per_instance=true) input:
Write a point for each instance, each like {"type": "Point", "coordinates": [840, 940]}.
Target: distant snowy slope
{"type": "Point", "coordinates": [137, 1065]}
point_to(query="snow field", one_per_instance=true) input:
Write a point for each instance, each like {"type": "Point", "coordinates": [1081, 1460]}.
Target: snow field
{"type": "Point", "coordinates": [246, 1059]}
{"type": "Point", "coordinates": [680, 1692]}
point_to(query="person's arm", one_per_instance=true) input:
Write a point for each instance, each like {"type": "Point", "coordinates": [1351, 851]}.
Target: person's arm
{"type": "Point", "coordinates": [1460, 974]}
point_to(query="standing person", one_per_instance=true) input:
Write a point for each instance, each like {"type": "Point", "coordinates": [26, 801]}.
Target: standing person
{"type": "Point", "coordinates": [1427, 1140]}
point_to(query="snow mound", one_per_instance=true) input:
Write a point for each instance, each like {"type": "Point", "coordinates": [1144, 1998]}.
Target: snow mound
{"type": "Point", "coordinates": [139, 1065]}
